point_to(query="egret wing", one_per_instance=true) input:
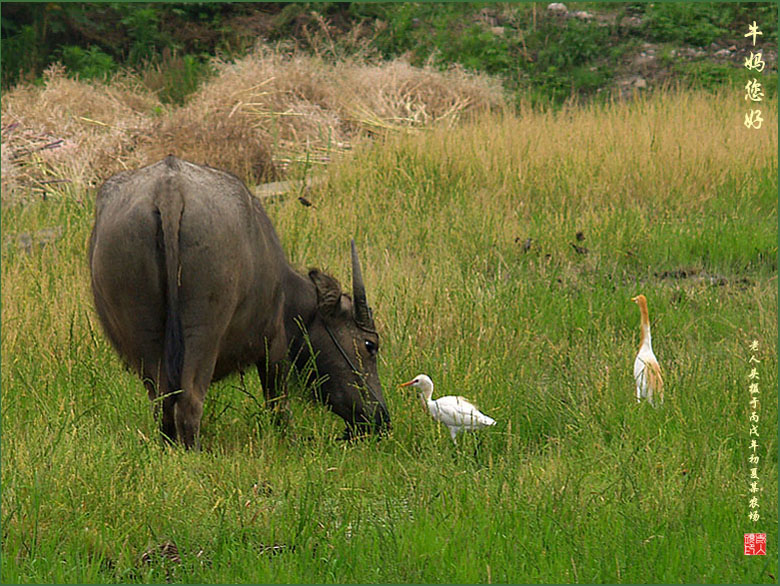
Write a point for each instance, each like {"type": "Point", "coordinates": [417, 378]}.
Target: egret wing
{"type": "Point", "coordinates": [457, 411]}
{"type": "Point", "coordinates": [647, 374]}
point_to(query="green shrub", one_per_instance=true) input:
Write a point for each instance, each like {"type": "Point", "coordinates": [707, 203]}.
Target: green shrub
{"type": "Point", "coordinates": [89, 63]}
{"type": "Point", "coordinates": [570, 58]}
{"type": "Point", "coordinates": [21, 53]}
{"type": "Point", "coordinates": [549, 57]}
{"type": "Point", "coordinates": [143, 29]}
{"type": "Point", "coordinates": [702, 23]}
{"type": "Point", "coordinates": [181, 76]}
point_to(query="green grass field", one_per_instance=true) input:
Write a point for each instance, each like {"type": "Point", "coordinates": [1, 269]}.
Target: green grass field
{"type": "Point", "coordinates": [577, 483]}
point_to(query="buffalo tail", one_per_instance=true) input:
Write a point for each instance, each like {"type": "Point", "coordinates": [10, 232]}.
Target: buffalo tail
{"type": "Point", "coordinates": [170, 204]}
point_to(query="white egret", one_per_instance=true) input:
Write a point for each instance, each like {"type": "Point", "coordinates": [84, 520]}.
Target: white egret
{"type": "Point", "coordinates": [647, 372]}
{"type": "Point", "coordinates": [454, 412]}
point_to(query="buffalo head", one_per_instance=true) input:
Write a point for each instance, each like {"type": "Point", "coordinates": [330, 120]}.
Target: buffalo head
{"type": "Point", "coordinates": [345, 343]}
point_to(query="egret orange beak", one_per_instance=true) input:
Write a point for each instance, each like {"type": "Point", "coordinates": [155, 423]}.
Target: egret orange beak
{"type": "Point", "coordinates": [406, 384]}
{"type": "Point", "coordinates": [633, 299]}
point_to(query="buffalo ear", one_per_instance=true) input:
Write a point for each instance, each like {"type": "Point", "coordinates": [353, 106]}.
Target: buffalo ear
{"type": "Point", "coordinates": [329, 300]}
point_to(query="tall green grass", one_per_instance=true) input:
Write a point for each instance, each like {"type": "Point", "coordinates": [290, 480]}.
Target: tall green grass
{"type": "Point", "coordinates": [576, 483]}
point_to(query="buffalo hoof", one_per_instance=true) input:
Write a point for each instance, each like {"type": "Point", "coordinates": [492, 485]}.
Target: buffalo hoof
{"type": "Point", "coordinates": [282, 417]}
{"type": "Point", "coordinates": [360, 433]}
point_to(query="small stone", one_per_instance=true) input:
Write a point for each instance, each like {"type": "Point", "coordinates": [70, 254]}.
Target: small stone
{"type": "Point", "coordinates": [557, 8]}
{"type": "Point", "coordinates": [487, 16]}
{"type": "Point", "coordinates": [582, 15]}
{"type": "Point", "coordinates": [631, 22]}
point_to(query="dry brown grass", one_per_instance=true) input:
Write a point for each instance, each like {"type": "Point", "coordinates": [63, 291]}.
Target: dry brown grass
{"type": "Point", "coordinates": [70, 132]}
{"type": "Point", "coordinates": [254, 118]}
{"type": "Point", "coordinates": [301, 106]}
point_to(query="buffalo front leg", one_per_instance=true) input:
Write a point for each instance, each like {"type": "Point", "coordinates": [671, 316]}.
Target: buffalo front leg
{"type": "Point", "coordinates": [273, 373]}
{"type": "Point", "coordinates": [168, 421]}
{"type": "Point", "coordinates": [273, 377]}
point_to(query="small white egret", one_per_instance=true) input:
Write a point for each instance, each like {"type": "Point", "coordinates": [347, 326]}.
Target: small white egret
{"type": "Point", "coordinates": [454, 412]}
{"type": "Point", "coordinates": [647, 372]}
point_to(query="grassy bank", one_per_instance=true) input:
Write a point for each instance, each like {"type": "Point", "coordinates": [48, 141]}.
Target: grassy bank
{"type": "Point", "coordinates": [585, 51]}
{"type": "Point", "coordinates": [675, 199]}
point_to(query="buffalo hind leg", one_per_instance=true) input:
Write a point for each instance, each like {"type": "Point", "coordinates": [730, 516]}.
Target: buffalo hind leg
{"type": "Point", "coordinates": [189, 410]}
{"type": "Point", "coordinates": [198, 368]}
{"type": "Point", "coordinates": [162, 404]}
{"type": "Point", "coordinates": [168, 422]}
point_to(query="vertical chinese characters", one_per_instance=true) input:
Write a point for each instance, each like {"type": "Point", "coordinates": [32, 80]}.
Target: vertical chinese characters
{"type": "Point", "coordinates": [755, 543]}
{"type": "Point", "coordinates": [753, 434]}
{"type": "Point", "coordinates": [753, 91]}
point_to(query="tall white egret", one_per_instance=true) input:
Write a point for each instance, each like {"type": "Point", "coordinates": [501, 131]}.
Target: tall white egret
{"type": "Point", "coordinates": [454, 412]}
{"type": "Point", "coordinates": [647, 372]}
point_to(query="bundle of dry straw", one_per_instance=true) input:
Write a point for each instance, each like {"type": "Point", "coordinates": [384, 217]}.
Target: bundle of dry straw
{"type": "Point", "coordinates": [254, 118]}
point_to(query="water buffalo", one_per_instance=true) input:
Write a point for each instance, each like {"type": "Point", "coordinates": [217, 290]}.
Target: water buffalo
{"type": "Point", "coordinates": [191, 283]}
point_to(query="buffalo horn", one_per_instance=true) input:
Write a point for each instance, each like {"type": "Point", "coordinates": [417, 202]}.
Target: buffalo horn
{"type": "Point", "coordinates": [362, 310]}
